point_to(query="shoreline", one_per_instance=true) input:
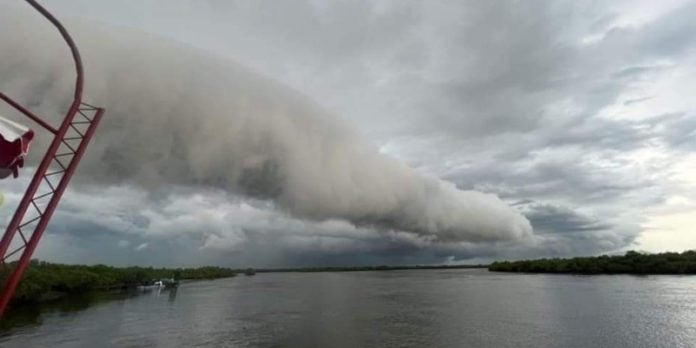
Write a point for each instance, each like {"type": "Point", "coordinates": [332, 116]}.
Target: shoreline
{"type": "Point", "coordinates": [632, 263]}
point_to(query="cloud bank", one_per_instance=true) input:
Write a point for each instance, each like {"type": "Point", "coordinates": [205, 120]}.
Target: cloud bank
{"type": "Point", "coordinates": [181, 117]}
{"type": "Point", "coordinates": [581, 114]}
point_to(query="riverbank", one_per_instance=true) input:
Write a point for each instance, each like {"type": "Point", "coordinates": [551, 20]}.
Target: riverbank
{"type": "Point", "coordinates": [45, 281]}
{"type": "Point", "coordinates": [439, 308]}
{"type": "Point", "coordinates": [630, 263]}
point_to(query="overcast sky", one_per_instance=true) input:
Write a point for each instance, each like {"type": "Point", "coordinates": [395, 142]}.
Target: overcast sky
{"type": "Point", "coordinates": [580, 115]}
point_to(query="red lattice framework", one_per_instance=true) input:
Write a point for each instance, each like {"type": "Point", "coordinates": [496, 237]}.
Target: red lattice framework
{"type": "Point", "coordinates": [70, 139]}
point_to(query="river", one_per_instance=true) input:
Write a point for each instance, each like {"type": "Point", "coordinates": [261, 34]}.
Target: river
{"type": "Point", "coordinates": [416, 308]}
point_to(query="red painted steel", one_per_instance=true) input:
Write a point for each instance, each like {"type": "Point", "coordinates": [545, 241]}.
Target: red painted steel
{"type": "Point", "coordinates": [28, 113]}
{"type": "Point", "coordinates": [60, 140]}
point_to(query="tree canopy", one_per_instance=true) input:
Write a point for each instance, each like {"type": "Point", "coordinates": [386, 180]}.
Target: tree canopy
{"type": "Point", "coordinates": [631, 263]}
{"type": "Point", "coordinates": [41, 277]}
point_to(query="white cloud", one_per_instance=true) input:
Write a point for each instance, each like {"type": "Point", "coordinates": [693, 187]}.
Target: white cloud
{"type": "Point", "coordinates": [495, 97]}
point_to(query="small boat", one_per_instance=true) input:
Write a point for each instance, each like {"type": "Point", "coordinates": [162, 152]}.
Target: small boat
{"type": "Point", "coordinates": [249, 272]}
{"type": "Point", "coordinates": [159, 284]}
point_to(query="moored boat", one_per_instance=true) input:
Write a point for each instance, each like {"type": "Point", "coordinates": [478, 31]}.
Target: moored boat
{"type": "Point", "coordinates": [159, 284]}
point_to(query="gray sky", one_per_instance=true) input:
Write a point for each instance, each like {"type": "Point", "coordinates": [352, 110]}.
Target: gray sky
{"type": "Point", "coordinates": [579, 115]}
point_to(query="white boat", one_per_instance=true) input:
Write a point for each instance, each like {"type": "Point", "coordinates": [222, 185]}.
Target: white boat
{"type": "Point", "coordinates": [159, 284]}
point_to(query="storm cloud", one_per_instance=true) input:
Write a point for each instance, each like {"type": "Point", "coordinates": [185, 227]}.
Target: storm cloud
{"type": "Point", "coordinates": [580, 115]}
{"type": "Point", "coordinates": [178, 116]}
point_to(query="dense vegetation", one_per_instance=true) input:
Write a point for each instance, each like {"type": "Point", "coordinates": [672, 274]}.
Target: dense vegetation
{"type": "Point", "coordinates": [631, 263]}
{"type": "Point", "coordinates": [42, 278]}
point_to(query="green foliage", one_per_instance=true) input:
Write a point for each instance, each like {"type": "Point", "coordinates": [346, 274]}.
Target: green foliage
{"type": "Point", "coordinates": [631, 263]}
{"type": "Point", "coordinates": [42, 278]}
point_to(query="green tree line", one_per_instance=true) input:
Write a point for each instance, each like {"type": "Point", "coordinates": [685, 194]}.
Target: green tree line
{"type": "Point", "coordinates": [42, 278]}
{"type": "Point", "coordinates": [631, 263]}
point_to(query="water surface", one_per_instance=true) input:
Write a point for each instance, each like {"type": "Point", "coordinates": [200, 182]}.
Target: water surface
{"type": "Point", "coordinates": [419, 308]}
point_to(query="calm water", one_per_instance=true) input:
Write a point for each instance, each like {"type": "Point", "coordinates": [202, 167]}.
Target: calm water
{"type": "Point", "coordinates": [434, 308]}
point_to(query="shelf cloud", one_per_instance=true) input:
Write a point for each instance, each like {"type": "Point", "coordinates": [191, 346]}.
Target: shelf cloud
{"type": "Point", "coordinates": [180, 116]}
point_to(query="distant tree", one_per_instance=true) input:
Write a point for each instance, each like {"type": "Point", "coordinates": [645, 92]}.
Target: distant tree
{"type": "Point", "coordinates": [632, 262]}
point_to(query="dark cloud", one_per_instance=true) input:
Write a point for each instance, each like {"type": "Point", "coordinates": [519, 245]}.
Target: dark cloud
{"type": "Point", "coordinates": [569, 111]}
{"type": "Point", "coordinates": [547, 218]}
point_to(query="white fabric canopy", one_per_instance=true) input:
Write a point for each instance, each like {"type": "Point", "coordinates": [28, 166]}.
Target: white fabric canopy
{"type": "Point", "coordinates": [14, 144]}
{"type": "Point", "coordinates": [11, 130]}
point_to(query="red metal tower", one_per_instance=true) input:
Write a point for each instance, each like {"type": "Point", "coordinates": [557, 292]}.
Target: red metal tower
{"type": "Point", "coordinates": [52, 176]}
